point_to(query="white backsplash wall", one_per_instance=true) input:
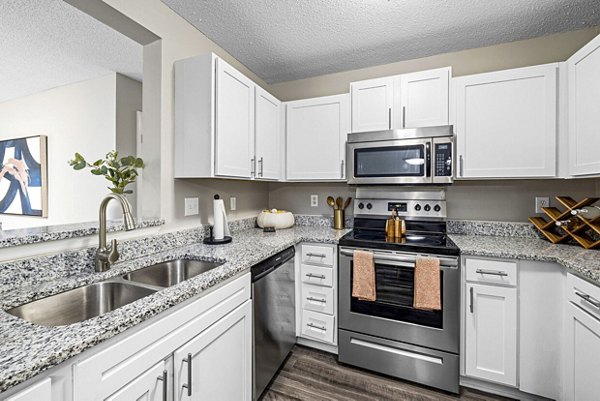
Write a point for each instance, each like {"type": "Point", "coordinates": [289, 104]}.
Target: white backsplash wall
{"type": "Point", "coordinates": [506, 200]}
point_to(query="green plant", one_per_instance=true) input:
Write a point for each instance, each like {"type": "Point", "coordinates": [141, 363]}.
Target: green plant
{"type": "Point", "coordinates": [120, 172]}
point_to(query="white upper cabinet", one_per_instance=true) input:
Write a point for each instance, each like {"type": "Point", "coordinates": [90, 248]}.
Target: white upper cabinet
{"type": "Point", "coordinates": [424, 98]}
{"type": "Point", "coordinates": [584, 110]}
{"type": "Point", "coordinates": [316, 138]}
{"type": "Point", "coordinates": [413, 100]}
{"type": "Point", "coordinates": [372, 104]}
{"type": "Point", "coordinates": [268, 132]}
{"type": "Point", "coordinates": [214, 119]}
{"type": "Point", "coordinates": [234, 129]}
{"type": "Point", "coordinates": [506, 123]}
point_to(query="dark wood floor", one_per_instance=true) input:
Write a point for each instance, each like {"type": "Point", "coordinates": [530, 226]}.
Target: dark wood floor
{"type": "Point", "coordinates": [311, 375]}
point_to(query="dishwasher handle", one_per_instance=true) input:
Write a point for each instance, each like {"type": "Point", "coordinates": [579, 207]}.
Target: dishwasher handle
{"type": "Point", "coordinates": [266, 267]}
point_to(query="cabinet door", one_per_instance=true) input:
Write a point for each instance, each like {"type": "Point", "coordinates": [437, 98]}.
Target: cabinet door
{"type": "Point", "coordinates": [41, 391]}
{"type": "Point", "coordinates": [506, 123]}
{"type": "Point", "coordinates": [154, 385]}
{"type": "Point", "coordinates": [268, 134]}
{"type": "Point", "coordinates": [491, 333]}
{"type": "Point", "coordinates": [372, 104]}
{"type": "Point", "coordinates": [316, 138]}
{"type": "Point", "coordinates": [234, 129]}
{"type": "Point", "coordinates": [425, 98]}
{"type": "Point", "coordinates": [582, 350]}
{"type": "Point", "coordinates": [584, 103]}
{"type": "Point", "coordinates": [217, 364]}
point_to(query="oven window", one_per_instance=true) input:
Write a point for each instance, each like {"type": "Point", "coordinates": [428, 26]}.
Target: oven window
{"type": "Point", "coordinates": [396, 161]}
{"type": "Point", "coordinates": [395, 290]}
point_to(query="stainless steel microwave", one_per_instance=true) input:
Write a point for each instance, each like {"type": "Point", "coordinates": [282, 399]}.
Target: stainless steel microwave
{"type": "Point", "coordinates": [419, 156]}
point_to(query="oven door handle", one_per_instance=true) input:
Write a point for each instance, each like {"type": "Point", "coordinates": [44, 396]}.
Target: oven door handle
{"type": "Point", "coordinates": [444, 262]}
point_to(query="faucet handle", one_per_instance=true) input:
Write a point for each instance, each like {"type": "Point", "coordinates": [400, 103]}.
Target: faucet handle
{"type": "Point", "coordinates": [113, 254]}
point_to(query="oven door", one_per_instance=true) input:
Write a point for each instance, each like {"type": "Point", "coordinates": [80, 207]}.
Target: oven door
{"type": "Point", "coordinates": [389, 162]}
{"type": "Point", "coordinates": [392, 315]}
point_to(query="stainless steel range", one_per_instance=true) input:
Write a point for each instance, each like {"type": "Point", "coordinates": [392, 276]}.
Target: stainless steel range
{"type": "Point", "coordinates": [389, 335]}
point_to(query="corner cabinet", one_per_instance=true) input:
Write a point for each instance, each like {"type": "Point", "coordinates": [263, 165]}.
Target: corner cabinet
{"type": "Point", "coordinates": [316, 138]}
{"type": "Point", "coordinates": [419, 99]}
{"type": "Point", "coordinates": [584, 102]}
{"type": "Point", "coordinates": [267, 160]}
{"type": "Point", "coordinates": [506, 123]}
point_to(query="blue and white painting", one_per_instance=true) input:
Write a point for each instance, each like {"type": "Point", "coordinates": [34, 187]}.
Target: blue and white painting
{"type": "Point", "coordinates": [23, 186]}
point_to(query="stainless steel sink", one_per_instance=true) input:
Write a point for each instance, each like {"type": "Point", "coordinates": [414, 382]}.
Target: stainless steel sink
{"type": "Point", "coordinates": [80, 303]}
{"type": "Point", "coordinates": [170, 273]}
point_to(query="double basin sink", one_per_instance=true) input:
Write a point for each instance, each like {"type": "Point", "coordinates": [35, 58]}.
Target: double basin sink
{"type": "Point", "coordinates": [93, 300]}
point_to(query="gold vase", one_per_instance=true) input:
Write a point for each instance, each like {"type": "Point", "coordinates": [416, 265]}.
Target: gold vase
{"type": "Point", "coordinates": [338, 219]}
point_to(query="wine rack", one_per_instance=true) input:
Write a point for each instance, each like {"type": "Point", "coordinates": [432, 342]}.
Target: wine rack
{"type": "Point", "coordinates": [584, 231]}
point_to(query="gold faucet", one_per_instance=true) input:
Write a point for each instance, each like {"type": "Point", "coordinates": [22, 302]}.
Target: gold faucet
{"type": "Point", "coordinates": [106, 256]}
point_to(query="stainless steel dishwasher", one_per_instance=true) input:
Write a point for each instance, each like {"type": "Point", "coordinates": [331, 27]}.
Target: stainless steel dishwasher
{"type": "Point", "coordinates": [274, 316]}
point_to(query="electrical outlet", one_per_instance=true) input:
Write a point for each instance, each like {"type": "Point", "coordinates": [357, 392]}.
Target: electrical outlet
{"type": "Point", "coordinates": [232, 203]}
{"type": "Point", "coordinates": [314, 200]}
{"type": "Point", "coordinates": [540, 202]}
{"type": "Point", "coordinates": [191, 206]}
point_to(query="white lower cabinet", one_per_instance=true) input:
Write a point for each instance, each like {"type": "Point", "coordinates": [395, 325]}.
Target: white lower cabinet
{"type": "Point", "coordinates": [152, 385]}
{"type": "Point", "coordinates": [491, 333]}
{"type": "Point", "coordinates": [41, 391]}
{"type": "Point", "coordinates": [217, 364]}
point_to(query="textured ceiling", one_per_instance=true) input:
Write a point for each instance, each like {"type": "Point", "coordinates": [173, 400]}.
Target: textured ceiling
{"type": "Point", "coordinates": [283, 40]}
{"type": "Point", "coordinates": [48, 43]}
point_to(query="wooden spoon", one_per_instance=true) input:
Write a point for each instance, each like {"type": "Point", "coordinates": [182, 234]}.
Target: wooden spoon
{"type": "Point", "coordinates": [339, 202]}
{"type": "Point", "coordinates": [347, 203]}
{"type": "Point", "coordinates": [331, 202]}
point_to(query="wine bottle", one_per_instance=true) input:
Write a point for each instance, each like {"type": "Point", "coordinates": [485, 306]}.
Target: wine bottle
{"type": "Point", "coordinates": [588, 213]}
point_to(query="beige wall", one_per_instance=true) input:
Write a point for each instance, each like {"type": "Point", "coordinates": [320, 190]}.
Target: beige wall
{"type": "Point", "coordinates": [508, 200]}
{"type": "Point", "coordinates": [547, 49]}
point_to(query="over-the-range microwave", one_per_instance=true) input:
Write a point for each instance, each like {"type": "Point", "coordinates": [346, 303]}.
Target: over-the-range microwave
{"type": "Point", "coordinates": [419, 156]}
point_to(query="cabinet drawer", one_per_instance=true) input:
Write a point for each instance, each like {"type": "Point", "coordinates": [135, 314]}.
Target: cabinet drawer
{"type": "Point", "coordinates": [318, 326]}
{"type": "Point", "coordinates": [491, 271]}
{"type": "Point", "coordinates": [317, 275]}
{"type": "Point", "coordinates": [583, 294]}
{"type": "Point", "coordinates": [321, 255]}
{"type": "Point", "coordinates": [318, 299]}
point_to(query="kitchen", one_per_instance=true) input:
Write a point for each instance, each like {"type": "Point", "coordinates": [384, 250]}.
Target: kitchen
{"type": "Point", "coordinates": [225, 99]}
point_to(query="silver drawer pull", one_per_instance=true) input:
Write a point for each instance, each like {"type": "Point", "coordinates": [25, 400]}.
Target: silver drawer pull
{"type": "Point", "coordinates": [589, 299]}
{"type": "Point", "coordinates": [316, 255]}
{"type": "Point", "coordinates": [491, 272]}
{"type": "Point", "coordinates": [323, 301]}
{"type": "Point", "coordinates": [321, 276]}
{"type": "Point", "coordinates": [188, 386]}
{"type": "Point", "coordinates": [165, 385]}
{"type": "Point", "coordinates": [312, 326]}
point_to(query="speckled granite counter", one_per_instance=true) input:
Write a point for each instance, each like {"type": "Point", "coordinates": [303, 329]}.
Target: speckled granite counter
{"type": "Point", "coordinates": [27, 349]}
{"type": "Point", "coordinates": [583, 262]}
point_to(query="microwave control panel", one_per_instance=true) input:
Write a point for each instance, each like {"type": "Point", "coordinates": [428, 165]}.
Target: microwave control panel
{"type": "Point", "coordinates": [443, 159]}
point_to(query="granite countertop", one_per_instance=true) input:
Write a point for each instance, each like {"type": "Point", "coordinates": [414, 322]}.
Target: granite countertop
{"type": "Point", "coordinates": [34, 235]}
{"type": "Point", "coordinates": [583, 262]}
{"type": "Point", "coordinates": [27, 349]}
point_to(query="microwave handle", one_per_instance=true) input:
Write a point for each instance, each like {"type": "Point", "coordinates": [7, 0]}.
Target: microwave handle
{"type": "Point", "coordinates": [428, 159]}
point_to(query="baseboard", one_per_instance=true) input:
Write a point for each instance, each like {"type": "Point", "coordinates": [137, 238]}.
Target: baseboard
{"type": "Point", "coordinates": [499, 389]}
{"type": "Point", "coordinates": [332, 349]}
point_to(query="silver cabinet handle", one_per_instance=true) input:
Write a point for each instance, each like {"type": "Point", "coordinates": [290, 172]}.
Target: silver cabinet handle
{"type": "Point", "coordinates": [460, 166]}
{"type": "Point", "coordinates": [316, 255]}
{"type": "Point", "coordinates": [323, 301]}
{"type": "Point", "coordinates": [491, 272]}
{"type": "Point", "coordinates": [253, 166]}
{"type": "Point", "coordinates": [471, 299]}
{"type": "Point", "coordinates": [262, 166]}
{"type": "Point", "coordinates": [588, 298]}
{"type": "Point", "coordinates": [188, 360]}
{"type": "Point", "coordinates": [403, 116]}
{"type": "Point", "coordinates": [316, 327]}
{"type": "Point", "coordinates": [342, 169]}
{"type": "Point", "coordinates": [390, 118]}
{"type": "Point", "coordinates": [321, 276]}
{"type": "Point", "coordinates": [165, 385]}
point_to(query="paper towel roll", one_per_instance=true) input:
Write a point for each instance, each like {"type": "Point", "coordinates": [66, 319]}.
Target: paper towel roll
{"type": "Point", "coordinates": [221, 227]}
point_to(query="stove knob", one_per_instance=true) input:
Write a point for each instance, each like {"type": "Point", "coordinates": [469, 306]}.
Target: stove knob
{"type": "Point", "coordinates": [427, 208]}
{"type": "Point", "coordinates": [437, 208]}
{"type": "Point", "coordinates": [369, 206]}
{"type": "Point", "coordinates": [361, 206]}
{"type": "Point", "coordinates": [417, 207]}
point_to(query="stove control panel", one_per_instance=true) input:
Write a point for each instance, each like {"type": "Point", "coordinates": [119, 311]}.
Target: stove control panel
{"type": "Point", "coordinates": [404, 208]}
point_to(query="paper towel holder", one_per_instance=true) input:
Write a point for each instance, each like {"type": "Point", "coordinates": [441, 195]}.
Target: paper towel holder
{"type": "Point", "coordinates": [210, 240]}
